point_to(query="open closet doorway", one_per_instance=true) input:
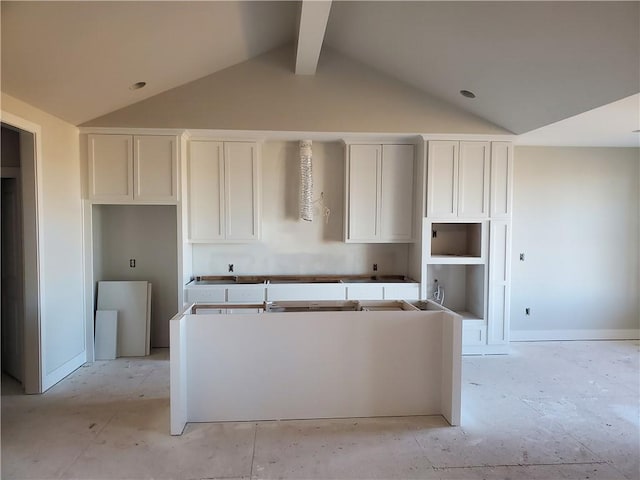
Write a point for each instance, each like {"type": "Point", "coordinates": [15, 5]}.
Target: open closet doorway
{"type": "Point", "coordinates": [20, 285]}
{"type": "Point", "coordinates": [11, 332]}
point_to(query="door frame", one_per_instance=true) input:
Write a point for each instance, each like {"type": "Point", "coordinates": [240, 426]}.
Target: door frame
{"type": "Point", "coordinates": [33, 253]}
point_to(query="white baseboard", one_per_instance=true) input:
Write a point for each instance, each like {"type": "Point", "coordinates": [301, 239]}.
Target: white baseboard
{"type": "Point", "coordinates": [485, 349]}
{"type": "Point", "coordinates": [552, 335]}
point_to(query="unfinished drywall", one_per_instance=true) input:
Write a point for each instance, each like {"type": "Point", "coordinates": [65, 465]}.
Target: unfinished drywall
{"type": "Point", "coordinates": [146, 234]}
{"type": "Point", "coordinates": [575, 218]}
{"type": "Point", "coordinates": [263, 94]}
{"type": "Point", "coordinates": [61, 264]}
{"type": "Point", "coordinates": [293, 246]}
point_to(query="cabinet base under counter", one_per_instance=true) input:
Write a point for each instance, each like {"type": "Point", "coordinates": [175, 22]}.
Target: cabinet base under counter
{"type": "Point", "coordinates": [314, 364]}
{"type": "Point", "coordinates": [302, 287]}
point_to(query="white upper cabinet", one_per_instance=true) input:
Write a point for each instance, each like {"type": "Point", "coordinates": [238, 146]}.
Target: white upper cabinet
{"type": "Point", "coordinates": [206, 178]}
{"type": "Point", "coordinates": [133, 169]}
{"type": "Point", "coordinates": [111, 167]}
{"type": "Point", "coordinates": [458, 179]}
{"type": "Point", "coordinates": [363, 195]}
{"type": "Point", "coordinates": [224, 192]}
{"type": "Point", "coordinates": [396, 209]}
{"type": "Point", "coordinates": [242, 193]}
{"type": "Point", "coordinates": [501, 179]}
{"type": "Point", "coordinates": [442, 179]}
{"type": "Point", "coordinates": [155, 167]}
{"type": "Point", "coordinates": [379, 193]}
{"type": "Point", "coordinates": [473, 179]}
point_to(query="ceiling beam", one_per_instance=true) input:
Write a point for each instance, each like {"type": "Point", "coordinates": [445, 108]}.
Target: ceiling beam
{"type": "Point", "coordinates": [314, 15]}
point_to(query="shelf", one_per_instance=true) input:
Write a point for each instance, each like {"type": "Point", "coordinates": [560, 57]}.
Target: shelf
{"type": "Point", "coordinates": [455, 260]}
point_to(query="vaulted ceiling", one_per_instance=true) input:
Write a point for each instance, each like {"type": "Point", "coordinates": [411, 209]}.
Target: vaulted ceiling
{"type": "Point", "coordinates": [530, 64]}
{"type": "Point", "coordinates": [77, 60]}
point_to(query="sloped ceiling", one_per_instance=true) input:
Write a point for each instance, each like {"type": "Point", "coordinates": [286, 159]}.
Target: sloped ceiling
{"type": "Point", "coordinates": [77, 60]}
{"type": "Point", "coordinates": [530, 63]}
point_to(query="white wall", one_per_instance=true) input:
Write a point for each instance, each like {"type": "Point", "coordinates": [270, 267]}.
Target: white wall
{"type": "Point", "coordinates": [146, 233]}
{"type": "Point", "coordinates": [575, 217]}
{"type": "Point", "coordinates": [293, 246]}
{"type": "Point", "coordinates": [61, 268]}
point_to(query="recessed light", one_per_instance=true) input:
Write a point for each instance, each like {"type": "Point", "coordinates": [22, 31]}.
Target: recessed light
{"type": "Point", "coordinates": [467, 93]}
{"type": "Point", "coordinates": [137, 85]}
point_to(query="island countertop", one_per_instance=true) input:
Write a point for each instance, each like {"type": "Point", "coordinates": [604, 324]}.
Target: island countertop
{"type": "Point", "coordinates": [257, 279]}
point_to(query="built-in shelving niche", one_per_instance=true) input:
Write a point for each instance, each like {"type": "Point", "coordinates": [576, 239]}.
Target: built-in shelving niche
{"type": "Point", "coordinates": [454, 240]}
{"type": "Point", "coordinates": [463, 287]}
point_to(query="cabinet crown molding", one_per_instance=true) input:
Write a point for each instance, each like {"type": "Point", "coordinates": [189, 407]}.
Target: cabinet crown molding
{"type": "Point", "coordinates": [468, 137]}
{"type": "Point", "coordinates": [132, 131]}
{"type": "Point", "coordinates": [347, 138]}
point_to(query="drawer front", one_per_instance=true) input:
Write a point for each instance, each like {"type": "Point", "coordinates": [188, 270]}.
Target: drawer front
{"type": "Point", "coordinates": [244, 294]}
{"type": "Point", "coordinates": [306, 292]}
{"type": "Point", "coordinates": [402, 292]}
{"type": "Point", "coordinates": [206, 294]}
{"type": "Point", "coordinates": [365, 292]}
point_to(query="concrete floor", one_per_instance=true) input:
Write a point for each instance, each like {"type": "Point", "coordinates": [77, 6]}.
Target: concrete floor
{"type": "Point", "coordinates": [561, 410]}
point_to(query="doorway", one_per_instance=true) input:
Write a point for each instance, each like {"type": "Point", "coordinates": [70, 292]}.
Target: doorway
{"type": "Point", "coordinates": [19, 282]}
{"type": "Point", "coordinates": [11, 266]}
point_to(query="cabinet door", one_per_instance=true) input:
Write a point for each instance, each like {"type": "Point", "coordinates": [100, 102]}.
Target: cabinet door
{"type": "Point", "coordinates": [499, 282]}
{"type": "Point", "coordinates": [396, 218]}
{"type": "Point", "coordinates": [473, 334]}
{"type": "Point", "coordinates": [155, 169]}
{"type": "Point", "coordinates": [363, 199]}
{"type": "Point", "coordinates": [206, 192]}
{"type": "Point", "coordinates": [473, 180]}
{"type": "Point", "coordinates": [242, 194]}
{"type": "Point", "coordinates": [501, 178]}
{"type": "Point", "coordinates": [442, 179]}
{"type": "Point", "coordinates": [110, 168]}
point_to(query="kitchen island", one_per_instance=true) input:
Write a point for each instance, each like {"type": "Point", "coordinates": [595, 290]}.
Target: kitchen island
{"type": "Point", "coordinates": [297, 360]}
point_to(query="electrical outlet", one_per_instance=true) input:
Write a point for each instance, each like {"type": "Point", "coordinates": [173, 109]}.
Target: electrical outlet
{"type": "Point", "coordinates": [522, 257]}
{"type": "Point", "coordinates": [375, 267]}
{"type": "Point", "coordinates": [527, 311]}
{"type": "Point", "coordinates": [231, 267]}
{"type": "Point", "coordinates": [132, 262]}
